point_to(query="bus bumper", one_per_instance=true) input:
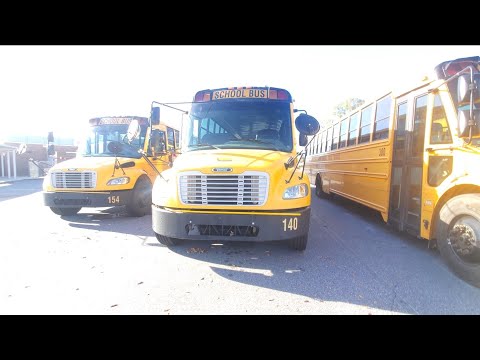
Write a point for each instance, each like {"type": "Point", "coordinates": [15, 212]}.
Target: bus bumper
{"type": "Point", "coordinates": [100, 199]}
{"type": "Point", "coordinates": [213, 226]}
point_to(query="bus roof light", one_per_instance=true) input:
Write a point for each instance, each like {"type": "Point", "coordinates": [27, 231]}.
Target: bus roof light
{"type": "Point", "coordinates": [272, 94]}
{"type": "Point", "coordinates": [202, 96]}
{"type": "Point", "coordinates": [282, 95]}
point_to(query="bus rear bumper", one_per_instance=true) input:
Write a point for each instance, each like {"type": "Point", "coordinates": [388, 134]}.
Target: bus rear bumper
{"type": "Point", "coordinates": [100, 199]}
{"type": "Point", "coordinates": [213, 226]}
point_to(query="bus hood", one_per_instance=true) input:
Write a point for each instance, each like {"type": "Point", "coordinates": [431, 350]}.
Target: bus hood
{"type": "Point", "coordinates": [87, 163]}
{"type": "Point", "coordinates": [232, 161]}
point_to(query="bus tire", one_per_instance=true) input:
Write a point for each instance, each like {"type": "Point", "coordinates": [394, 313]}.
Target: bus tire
{"type": "Point", "coordinates": [318, 188]}
{"type": "Point", "coordinates": [142, 198]}
{"type": "Point", "coordinates": [298, 243]}
{"type": "Point", "coordinates": [65, 211]}
{"type": "Point", "coordinates": [458, 236]}
{"type": "Point", "coordinates": [167, 241]}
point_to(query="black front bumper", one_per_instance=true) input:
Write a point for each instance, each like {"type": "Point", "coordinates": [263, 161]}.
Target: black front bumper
{"type": "Point", "coordinates": [100, 199]}
{"type": "Point", "coordinates": [270, 226]}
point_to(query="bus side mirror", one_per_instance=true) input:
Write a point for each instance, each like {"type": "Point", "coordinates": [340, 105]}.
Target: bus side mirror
{"type": "Point", "coordinates": [307, 125]}
{"type": "Point", "coordinates": [128, 164]}
{"type": "Point", "coordinates": [155, 116]}
{"type": "Point", "coordinates": [302, 140]}
{"type": "Point", "coordinates": [468, 119]}
{"type": "Point", "coordinates": [465, 121]}
{"type": "Point", "coordinates": [133, 131]}
{"type": "Point", "coordinates": [465, 87]}
{"type": "Point", "coordinates": [115, 147]}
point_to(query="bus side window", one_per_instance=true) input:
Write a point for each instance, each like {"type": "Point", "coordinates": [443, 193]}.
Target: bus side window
{"type": "Point", "coordinates": [353, 129]}
{"type": "Point", "coordinates": [436, 136]}
{"type": "Point", "coordinates": [157, 142]}
{"type": "Point", "coordinates": [365, 125]}
{"type": "Point", "coordinates": [439, 168]}
{"type": "Point", "coordinates": [418, 134]}
{"type": "Point", "coordinates": [177, 139]}
{"type": "Point", "coordinates": [170, 139]}
{"type": "Point", "coordinates": [440, 132]}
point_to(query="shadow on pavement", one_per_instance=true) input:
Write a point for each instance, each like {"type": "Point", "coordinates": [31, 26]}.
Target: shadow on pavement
{"type": "Point", "coordinates": [113, 219]}
{"type": "Point", "coordinates": [14, 189]}
{"type": "Point", "coordinates": [368, 264]}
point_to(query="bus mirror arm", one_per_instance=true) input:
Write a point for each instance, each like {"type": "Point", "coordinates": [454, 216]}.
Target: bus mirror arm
{"type": "Point", "coordinates": [301, 154]}
{"type": "Point", "coordinates": [117, 165]}
{"type": "Point", "coordinates": [303, 167]}
{"type": "Point", "coordinates": [298, 110]}
{"type": "Point", "coordinates": [141, 152]}
{"type": "Point", "coordinates": [290, 163]}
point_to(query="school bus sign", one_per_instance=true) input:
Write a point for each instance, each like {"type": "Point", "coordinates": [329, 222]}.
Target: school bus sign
{"type": "Point", "coordinates": [240, 93]}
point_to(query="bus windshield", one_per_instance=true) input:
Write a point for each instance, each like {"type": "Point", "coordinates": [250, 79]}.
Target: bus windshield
{"type": "Point", "coordinates": [98, 138]}
{"type": "Point", "coordinates": [240, 124]}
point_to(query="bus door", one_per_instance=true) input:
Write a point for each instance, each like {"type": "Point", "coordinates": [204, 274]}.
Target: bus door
{"type": "Point", "coordinates": [157, 150]}
{"type": "Point", "coordinates": [407, 163]}
{"type": "Point", "coordinates": [163, 147]}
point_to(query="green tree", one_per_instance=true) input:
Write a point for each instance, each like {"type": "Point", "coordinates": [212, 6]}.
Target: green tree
{"type": "Point", "coordinates": [346, 106]}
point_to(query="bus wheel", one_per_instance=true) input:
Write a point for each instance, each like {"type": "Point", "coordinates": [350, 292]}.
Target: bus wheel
{"type": "Point", "coordinates": [458, 236]}
{"type": "Point", "coordinates": [167, 241]}
{"type": "Point", "coordinates": [65, 211]}
{"type": "Point", "coordinates": [318, 188]}
{"type": "Point", "coordinates": [142, 198]}
{"type": "Point", "coordinates": [298, 243]}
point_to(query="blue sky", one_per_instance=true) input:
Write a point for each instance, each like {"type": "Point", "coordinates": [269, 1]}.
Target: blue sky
{"type": "Point", "coordinates": [58, 88]}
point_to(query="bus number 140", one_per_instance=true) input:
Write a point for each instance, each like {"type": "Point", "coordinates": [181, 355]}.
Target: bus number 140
{"type": "Point", "coordinates": [290, 224]}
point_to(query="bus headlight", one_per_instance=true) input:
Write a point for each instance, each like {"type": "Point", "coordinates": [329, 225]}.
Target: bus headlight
{"type": "Point", "coordinates": [119, 181]}
{"type": "Point", "coordinates": [296, 192]}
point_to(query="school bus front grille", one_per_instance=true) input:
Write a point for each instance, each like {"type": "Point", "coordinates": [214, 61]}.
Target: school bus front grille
{"type": "Point", "coordinates": [74, 180]}
{"type": "Point", "coordinates": [249, 188]}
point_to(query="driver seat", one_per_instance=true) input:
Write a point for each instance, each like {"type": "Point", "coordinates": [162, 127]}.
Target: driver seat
{"type": "Point", "coordinates": [268, 134]}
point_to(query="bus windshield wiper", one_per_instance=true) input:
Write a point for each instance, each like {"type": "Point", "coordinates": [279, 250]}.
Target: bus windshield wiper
{"type": "Point", "coordinates": [204, 144]}
{"type": "Point", "coordinates": [257, 141]}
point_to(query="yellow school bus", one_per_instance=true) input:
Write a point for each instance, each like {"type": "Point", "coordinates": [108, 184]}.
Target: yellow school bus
{"type": "Point", "coordinates": [239, 176]}
{"type": "Point", "coordinates": [412, 155]}
{"type": "Point", "coordinates": [109, 169]}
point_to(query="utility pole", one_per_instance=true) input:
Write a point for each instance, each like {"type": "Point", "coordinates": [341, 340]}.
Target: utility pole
{"type": "Point", "coordinates": [51, 158]}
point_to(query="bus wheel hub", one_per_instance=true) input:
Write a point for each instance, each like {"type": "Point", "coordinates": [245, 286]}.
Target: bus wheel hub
{"type": "Point", "coordinates": [462, 239]}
